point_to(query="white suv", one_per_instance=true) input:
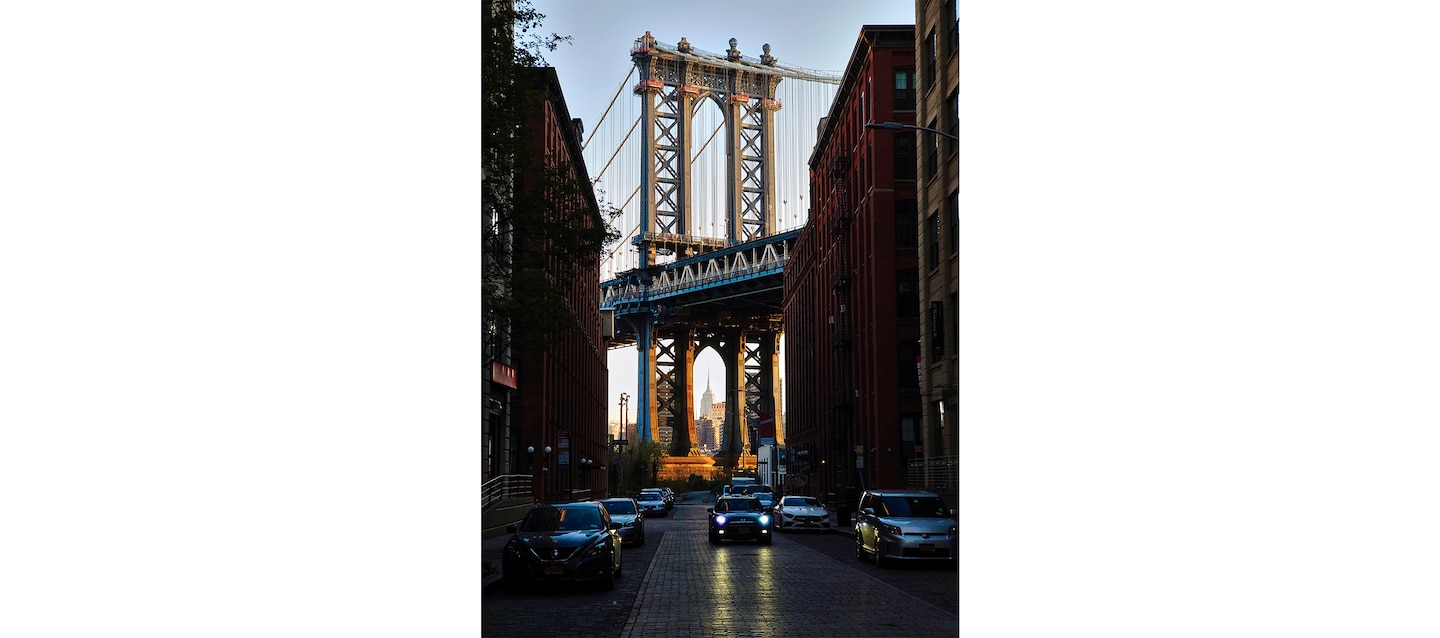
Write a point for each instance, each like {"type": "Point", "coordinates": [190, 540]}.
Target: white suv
{"type": "Point", "coordinates": [905, 525]}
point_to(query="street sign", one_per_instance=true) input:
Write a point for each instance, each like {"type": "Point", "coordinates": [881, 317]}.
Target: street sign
{"type": "Point", "coordinates": [563, 458]}
{"type": "Point", "coordinates": [564, 436]}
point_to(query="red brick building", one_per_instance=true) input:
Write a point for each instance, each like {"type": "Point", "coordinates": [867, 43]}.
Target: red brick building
{"type": "Point", "coordinates": [561, 383]}
{"type": "Point", "coordinates": [851, 304]}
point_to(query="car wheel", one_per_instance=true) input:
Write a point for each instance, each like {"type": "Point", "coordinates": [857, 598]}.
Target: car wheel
{"type": "Point", "coordinates": [766, 540]}
{"type": "Point", "coordinates": [714, 539]}
{"type": "Point", "coordinates": [859, 548]}
{"type": "Point", "coordinates": [607, 583]}
{"type": "Point", "coordinates": [640, 541]}
{"type": "Point", "coordinates": [881, 560]}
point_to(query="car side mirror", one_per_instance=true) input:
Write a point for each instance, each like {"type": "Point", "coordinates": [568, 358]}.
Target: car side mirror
{"type": "Point", "coordinates": [614, 526]}
{"type": "Point", "coordinates": [954, 512]}
{"type": "Point", "coordinates": [510, 528]}
{"type": "Point", "coordinates": [868, 510]}
{"type": "Point", "coordinates": [709, 510]}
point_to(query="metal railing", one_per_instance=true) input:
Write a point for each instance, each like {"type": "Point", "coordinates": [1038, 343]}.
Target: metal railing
{"type": "Point", "coordinates": [943, 473]}
{"type": "Point", "coordinates": [504, 487]}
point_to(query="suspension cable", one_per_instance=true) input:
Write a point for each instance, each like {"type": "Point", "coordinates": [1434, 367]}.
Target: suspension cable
{"type": "Point", "coordinates": [707, 142]}
{"type": "Point", "coordinates": [596, 128]}
{"type": "Point", "coordinates": [617, 150]}
{"type": "Point", "coordinates": [621, 243]}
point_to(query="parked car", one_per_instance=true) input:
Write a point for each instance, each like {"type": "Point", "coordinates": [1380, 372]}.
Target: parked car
{"type": "Point", "coordinates": [574, 542]}
{"type": "Point", "coordinates": [801, 512]}
{"type": "Point", "coordinates": [899, 525]}
{"type": "Point", "coordinates": [767, 499]}
{"type": "Point", "coordinates": [738, 517]}
{"type": "Point", "coordinates": [653, 503]}
{"type": "Point", "coordinates": [665, 493]}
{"type": "Point", "coordinates": [626, 512]}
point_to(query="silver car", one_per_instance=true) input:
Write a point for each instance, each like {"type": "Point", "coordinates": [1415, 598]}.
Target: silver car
{"type": "Point", "coordinates": [626, 512]}
{"type": "Point", "coordinates": [653, 503]}
{"type": "Point", "coordinates": [900, 525]}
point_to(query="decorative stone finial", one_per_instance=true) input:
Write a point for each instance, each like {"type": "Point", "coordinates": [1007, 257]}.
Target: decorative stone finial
{"type": "Point", "coordinates": [767, 58]}
{"type": "Point", "coordinates": [734, 53]}
{"type": "Point", "coordinates": [684, 46]}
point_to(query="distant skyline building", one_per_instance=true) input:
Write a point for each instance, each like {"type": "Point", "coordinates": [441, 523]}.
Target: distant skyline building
{"type": "Point", "coordinates": [707, 399]}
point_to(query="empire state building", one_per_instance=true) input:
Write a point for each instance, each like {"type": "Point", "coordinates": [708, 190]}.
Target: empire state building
{"type": "Point", "coordinates": [707, 400]}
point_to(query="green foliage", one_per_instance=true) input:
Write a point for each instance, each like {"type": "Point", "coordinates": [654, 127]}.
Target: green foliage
{"type": "Point", "coordinates": [537, 236]}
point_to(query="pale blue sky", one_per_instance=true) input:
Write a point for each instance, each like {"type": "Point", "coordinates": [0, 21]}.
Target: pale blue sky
{"type": "Point", "coordinates": [815, 34]}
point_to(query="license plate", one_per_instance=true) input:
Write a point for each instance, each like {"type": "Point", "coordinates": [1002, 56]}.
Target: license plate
{"type": "Point", "coordinates": [927, 547]}
{"type": "Point", "coordinates": [554, 570]}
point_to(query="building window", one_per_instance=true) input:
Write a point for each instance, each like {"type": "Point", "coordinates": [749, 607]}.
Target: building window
{"type": "Point", "coordinates": [952, 120]}
{"type": "Point", "coordinates": [952, 214]}
{"type": "Point", "coordinates": [907, 294]}
{"type": "Point", "coordinates": [906, 225]}
{"type": "Point", "coordinates": [905, 156]}
{"type": "Point", "coordinates": [934, 246]}
{"type": "Point", "coordinates": [905, 88]}
{"type": "Point", "coordinates": [954, 325]}
{"type": "Point", "coordinates": [937, 327]}
{"type": "Point", "coordinates": [932, 152]}
{"type": "Point", "coordinates": [929, 78]}
{"type": "Point", "coordinates": [955, 38]}
{"type": "Point", "coordinates": [907, 364]}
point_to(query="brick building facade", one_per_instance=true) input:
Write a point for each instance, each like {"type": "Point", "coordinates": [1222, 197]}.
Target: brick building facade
{"type": "Point", "coordinates": [562, 383]}
{"type": "Point", "coordinates": [851, 301]}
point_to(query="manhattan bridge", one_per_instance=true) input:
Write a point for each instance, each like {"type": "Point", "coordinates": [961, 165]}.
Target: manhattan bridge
{"type": "Point", "coordinates": [706, 157]}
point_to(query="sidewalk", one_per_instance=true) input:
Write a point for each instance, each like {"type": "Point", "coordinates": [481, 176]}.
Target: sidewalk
{"type": "Point", "coordinates": [847, 529]}
{"type": "Point", "coordinates": [491, 552]}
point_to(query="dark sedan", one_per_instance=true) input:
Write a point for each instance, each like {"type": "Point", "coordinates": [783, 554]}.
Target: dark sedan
{"type": "Point", "coordinates": [574, 542]}
{"type": "Point", "coordinates": [627, 513]}
{"type": "Point", "coordinates": [739, 517]}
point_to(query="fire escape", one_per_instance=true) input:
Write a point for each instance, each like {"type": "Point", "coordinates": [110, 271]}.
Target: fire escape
{"type": "Point", "coordinates": [842, 434]}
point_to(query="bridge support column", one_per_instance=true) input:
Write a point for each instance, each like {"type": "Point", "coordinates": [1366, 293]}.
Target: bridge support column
{"type": "Point", "coordinates": [674, 387]}
{"type": "Point", "coordinates": [683, 421]}
{"type": "Point", "coordinates": [763, 376]}
{"type": "Point", "coordinates": [645, 381]}
{"type": "Point", "coordinates": [733, 439]}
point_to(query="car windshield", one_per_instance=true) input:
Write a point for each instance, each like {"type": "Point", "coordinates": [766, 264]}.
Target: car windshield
{"type": "Point", "coordinates": [561, 519]}
{"type": "Point", "coordinates": [918, 506]}
{"type": "Point", "coordinates": [737, 505]}
{"type": "Point", "coordinates": [619, 507]}
{"type": "Point", "coordinates": [800, 501]}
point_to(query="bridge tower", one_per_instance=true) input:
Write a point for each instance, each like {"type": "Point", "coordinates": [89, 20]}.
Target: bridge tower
{"type": "Point", "coordinates": [672, 82]}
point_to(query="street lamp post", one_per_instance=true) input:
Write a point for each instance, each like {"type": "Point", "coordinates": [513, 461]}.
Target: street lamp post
{"type": "Point", "coordinates": [896, 126]}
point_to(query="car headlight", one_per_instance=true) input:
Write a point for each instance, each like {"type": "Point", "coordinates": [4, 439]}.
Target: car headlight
{"type": "Point", "coordinates": [513, 549]}
{"type": "Point", "coordinates": [764, 519]}
{"type": "Point", "coordinates": [719, 519]}
{"type": "Point", "coordinates": [890, 529]}
{"type": "Point", "coordinates": [954, 530]}
{"type": "Point", "coordinates": [594, 548]}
